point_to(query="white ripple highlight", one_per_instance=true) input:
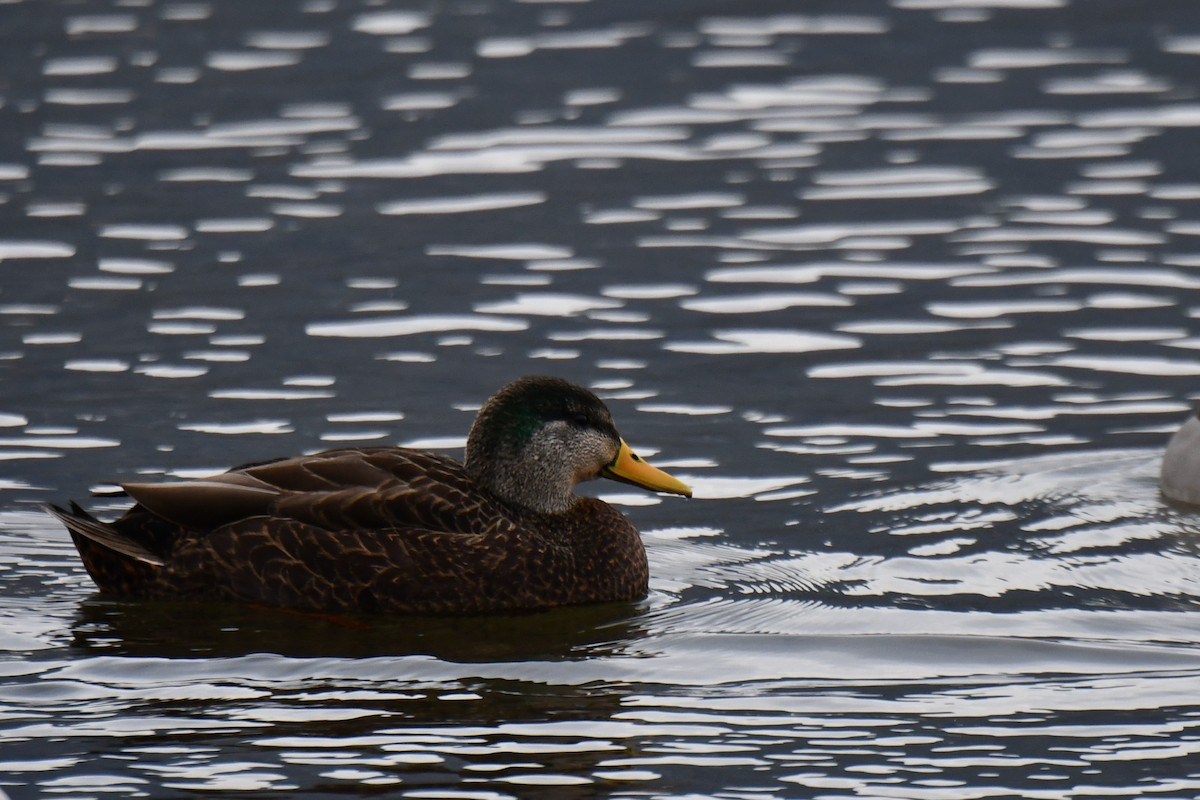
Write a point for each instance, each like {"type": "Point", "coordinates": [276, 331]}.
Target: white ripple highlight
{"type": "Point", "coordinates": [265, 426]}
{"type": "Point", "coordinates": [408, 326]}
{"type": "Point", "coordinates": [548, 304]}
{"type": "Point", "coordinates": [757, 303]}
{"type": "Point", "coordinates": [35, 249]}
{"type": "Point", "coordinates": [462, 205]}
{"type": "Point", "coordinates": [741, 342]}
{"type": "Point", "coordinates": [898, 183]}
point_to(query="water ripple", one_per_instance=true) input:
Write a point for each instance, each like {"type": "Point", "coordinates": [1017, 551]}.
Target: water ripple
{"type": "Point", "coordinates": [915, 327]}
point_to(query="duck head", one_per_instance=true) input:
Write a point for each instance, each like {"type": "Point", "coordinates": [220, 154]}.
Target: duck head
{"type": "Point", "coordinates": [539, 436]}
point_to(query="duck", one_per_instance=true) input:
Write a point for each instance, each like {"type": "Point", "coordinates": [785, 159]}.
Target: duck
{"type": "Point", "coordinates": [393, 530]}
{"type": "Point", "coordinates": [1179, 474]}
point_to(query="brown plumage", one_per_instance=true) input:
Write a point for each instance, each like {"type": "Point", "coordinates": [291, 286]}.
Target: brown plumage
{"type": "Point", "coordinates": [394, 530]}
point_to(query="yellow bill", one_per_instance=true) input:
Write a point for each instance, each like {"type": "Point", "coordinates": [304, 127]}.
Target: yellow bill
{"type": "Point", "coordinates": [628, 467]}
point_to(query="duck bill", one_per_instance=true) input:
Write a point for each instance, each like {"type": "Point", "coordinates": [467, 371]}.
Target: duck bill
{"type": "Point", "coordinates": [628, 467]}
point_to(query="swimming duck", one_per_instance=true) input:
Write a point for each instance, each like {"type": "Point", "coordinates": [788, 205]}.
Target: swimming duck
{"type": "Point", "coordinates": [394, 530]}
{"type": "Point", "coordinates": [1180, 473]}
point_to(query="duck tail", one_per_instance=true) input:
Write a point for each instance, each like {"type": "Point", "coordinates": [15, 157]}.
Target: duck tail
{"type": "Point", "coordinates": [81, 523]}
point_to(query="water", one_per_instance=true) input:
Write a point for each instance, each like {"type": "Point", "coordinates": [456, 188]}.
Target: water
{"type": "Point", "coordinates": [907, 291]}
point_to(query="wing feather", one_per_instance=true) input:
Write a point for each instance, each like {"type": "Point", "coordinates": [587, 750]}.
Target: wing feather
{"type": "Point", "coordinates": [336, 490]}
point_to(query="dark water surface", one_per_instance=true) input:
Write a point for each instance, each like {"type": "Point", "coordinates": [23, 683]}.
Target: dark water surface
{"type": "Point", "coordinates": [907, 290]}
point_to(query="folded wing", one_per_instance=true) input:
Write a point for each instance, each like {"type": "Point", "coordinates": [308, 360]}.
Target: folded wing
{"type": "Point", "coordinates": [341, 489]}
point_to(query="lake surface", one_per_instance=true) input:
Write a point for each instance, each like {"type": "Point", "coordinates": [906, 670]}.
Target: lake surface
{"type": "Point", "coordinates": [908, 291]}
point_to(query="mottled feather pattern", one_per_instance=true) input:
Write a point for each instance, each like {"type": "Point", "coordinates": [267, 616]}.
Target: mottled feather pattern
{"type": "Point", "coordinates": [412, 533]}
{"type": "Point", "coordinates": [393, 530]}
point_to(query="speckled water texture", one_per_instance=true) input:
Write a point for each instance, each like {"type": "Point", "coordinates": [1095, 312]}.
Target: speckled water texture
{"type": "Point", "coordinates": [907, 290]}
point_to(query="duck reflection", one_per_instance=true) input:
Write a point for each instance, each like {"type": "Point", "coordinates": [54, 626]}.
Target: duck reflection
{"type": "Point", "coordinates": [186, 629]}
{"type": "Point", "coordinates": [428, 723]}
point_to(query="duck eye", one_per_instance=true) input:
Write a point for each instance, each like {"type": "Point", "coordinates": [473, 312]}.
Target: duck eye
{"type": "Point", "coordinates": [581, 420]}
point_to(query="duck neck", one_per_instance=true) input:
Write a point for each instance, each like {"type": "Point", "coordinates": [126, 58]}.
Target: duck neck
{"type": "Point", "coordinates": [536, 486]}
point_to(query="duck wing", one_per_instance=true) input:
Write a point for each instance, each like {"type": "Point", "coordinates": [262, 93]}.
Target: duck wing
{"type": "Point", "coordinates": [382, 529]}
{"type": "Point", "coordinates": [350, 489]}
